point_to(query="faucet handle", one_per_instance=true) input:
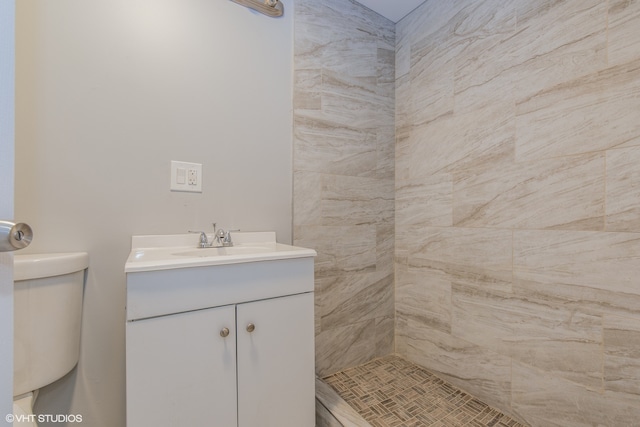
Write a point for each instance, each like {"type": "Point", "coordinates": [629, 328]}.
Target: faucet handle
{"type": "Point", "coordinates": [204, 241]}
{"type": "Point", "coordinates": [227, 237]}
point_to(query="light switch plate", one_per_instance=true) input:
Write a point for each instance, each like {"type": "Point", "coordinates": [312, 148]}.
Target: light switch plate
{"type": "Point", "coordinates": [181, 176]}
{"type": "Point", "coordinates": [193, 181]}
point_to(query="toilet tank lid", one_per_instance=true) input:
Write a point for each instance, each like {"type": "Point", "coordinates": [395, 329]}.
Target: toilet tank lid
{"type": "Point", "coordinates": [35, 266]}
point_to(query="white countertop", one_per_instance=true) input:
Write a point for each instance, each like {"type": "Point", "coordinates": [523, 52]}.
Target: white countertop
{"type": "Point", "coordinates": [165, 252]}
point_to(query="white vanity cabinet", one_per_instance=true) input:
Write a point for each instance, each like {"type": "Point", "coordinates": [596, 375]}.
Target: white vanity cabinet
{"type": "Point", "coordinates": [225, 345]}
{"type": "Point", "coordinates": [180, 371]}
{"type": "Point", "coordinates": [276, 385]}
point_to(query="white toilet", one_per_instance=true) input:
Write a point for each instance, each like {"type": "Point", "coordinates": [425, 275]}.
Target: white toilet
{"type": "Point", "coordinates": [48, 291]}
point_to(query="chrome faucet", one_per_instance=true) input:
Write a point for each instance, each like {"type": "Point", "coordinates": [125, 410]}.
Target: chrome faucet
{"type": "Point", "coordinates": [221, 238]}
{"type": "Point", "coordinates": [204, 240]}
{"type": "Point", "coordinates": [224, 237]}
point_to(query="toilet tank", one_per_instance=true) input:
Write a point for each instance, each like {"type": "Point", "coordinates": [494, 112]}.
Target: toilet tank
{"type": "Point", "coordinates": [48, 291]}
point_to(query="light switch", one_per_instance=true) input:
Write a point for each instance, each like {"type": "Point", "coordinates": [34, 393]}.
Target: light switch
{"type": "Point", "coordinates": [181, 176]}
{"type": "Point", "coordinates": [186, 177]}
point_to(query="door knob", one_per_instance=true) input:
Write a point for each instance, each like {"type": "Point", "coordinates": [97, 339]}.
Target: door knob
{"type": "Point", "coordinates": [251, 327]}
{"type": "Point", "coordinates": [14, 236]}
{"type": "Point", "coordinates": [224, 332]}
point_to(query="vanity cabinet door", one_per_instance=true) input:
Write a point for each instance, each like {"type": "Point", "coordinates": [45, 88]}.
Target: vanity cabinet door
{"type": "Point", "coordinates": [276, 373]}
{"type": "Point", "coordinates": [181, 371]}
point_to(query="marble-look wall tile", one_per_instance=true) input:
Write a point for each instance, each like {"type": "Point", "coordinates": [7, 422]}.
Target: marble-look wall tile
{"type": "Point", "coordinates": [403, 50]}
{"type": "Point", "coordinates": [401, 247]}
{"type": "Point", "coordinates": [425, 201]}
{"type": "Point", "coordinates": [342, 109]}
{"type": "Point", "coordinates": [341, 249]}
{"type": "Point", "coordinates": [432, 18]}
{"type": "Point", "coordinates": [622, 355]}
{"type": "Point", "coordinates": [360, 90]}
{"type": "Point", "coordinates": [597, 302]}
{"type": "Point", "coordinates": [424, 299]}
{"type": "Point", "coordinates": [479, 28]}
{"type": "Point", "coordinates": [564, 193]}
{"type": "Point", "coordinates": [479, 25]}
{"type": "Point", "coordinates": [350, 200]}
{"type": "Point", "coordinates": [592, 113]}
{"type": "Point", "coordinates": [307, 204]}
{"type": "Point", "coordinates": [359, 48]}
{"type": "Point", "coordinates": [385, 244]}
{"type": "Point", "coordinates": [353, 344]}
{"type": "Point", "coordinates": [338, 29]}
{"type": "Point", "coordinates": [552, 42]}
{"type": "Point", "coordinates": [431, 65]}
{"type": "Point", "coordinates": [431, 90]}
{"type": "Point", "coordinates": [344, 171]}
{"type": "Point", "coordinates": [529, 111]}
{"type": "Point", "coordinates": [496, 96]}
{"type": "Point", "coordinates": [457, 142]}
{"type": "Point", "coordinates": [545, 400]}
{"type": "Point", "coordinates": [386, 61]}
{"type": "Point", "coordinates": [623, 190]}
{"type": "Point", "coordinates": [356, 297]}
{"type": "Point", "coordinates": [429, 100]}
{"type": "Point", "coordinates": [557, 41]}
{"type": "Point", "coordinates": [402, 118]}
{"type": "Point", "coordinates": [476, 369]}
{"type": "Point", "coordinates": [607, 261]}
{"type": "Point", "coordinates": [323, 146]}
{"type": "Point", "coordinates": [345, 346]}
{"type": "Point", "coordinates": [385, 335]}
{"type": "Point", "coordinates": [385, 153]}
{"type": "Point", "coordinates": [624, 44]}
{"type": "Point", "coordinates": [351, 18]}
{"type": "Point", "coordinates": [308, 94]}
{"type": "Point", "coordinates": [565, 342]}
{"type": "Point", "coordinates": [476, 257]}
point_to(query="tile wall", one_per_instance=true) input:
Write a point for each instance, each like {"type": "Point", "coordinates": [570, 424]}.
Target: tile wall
{"type": "Point", "coordinates": [518, 204]}
{"type": "Point", "coordinates": [343, 165]}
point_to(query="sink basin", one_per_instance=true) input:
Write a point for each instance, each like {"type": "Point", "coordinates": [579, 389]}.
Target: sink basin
{"type": "Point", "coordinates": [164, 252]}
{"type": "Point", "coordinates": [231, 250]}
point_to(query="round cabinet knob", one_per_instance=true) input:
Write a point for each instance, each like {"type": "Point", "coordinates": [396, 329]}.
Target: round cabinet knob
{"type": "Point", "coordinates": [251, 327]}
{"type": "Point", "coordinates": [224, 332]}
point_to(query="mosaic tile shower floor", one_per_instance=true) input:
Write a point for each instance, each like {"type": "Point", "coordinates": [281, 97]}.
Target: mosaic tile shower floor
{"type": "Point", "coordinates": [392, 392]}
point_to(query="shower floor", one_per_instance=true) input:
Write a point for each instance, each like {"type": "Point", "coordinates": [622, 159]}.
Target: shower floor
{"type": "Point", "coordinates": [392, 392]}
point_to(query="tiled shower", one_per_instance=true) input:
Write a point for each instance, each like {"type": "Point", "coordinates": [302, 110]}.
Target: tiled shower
{"type": "Point", "coordinates": [470, 178]}
{"type": "Point", "coordinates": [343, 169]}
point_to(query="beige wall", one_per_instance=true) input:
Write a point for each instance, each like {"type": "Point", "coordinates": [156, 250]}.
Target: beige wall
{"type": "Point", "coordinates": [518, 204]}
{"type": "Point", "coordinates": [108, 93]}
{"type": "Point", "coordinates": [343, 175]}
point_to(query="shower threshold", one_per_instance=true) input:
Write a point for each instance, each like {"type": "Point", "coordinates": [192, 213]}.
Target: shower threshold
{"type": "Point", "coordinates": [392, 392]}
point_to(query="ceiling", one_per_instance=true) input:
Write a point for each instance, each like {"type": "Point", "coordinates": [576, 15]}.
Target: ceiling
{"type": "Point", "coordinates": [394, 10]}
